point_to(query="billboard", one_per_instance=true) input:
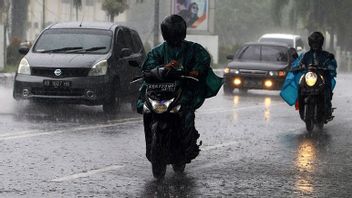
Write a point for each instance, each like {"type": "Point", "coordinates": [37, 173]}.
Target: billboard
{"type": "Point", "coordinates": [194, 12]}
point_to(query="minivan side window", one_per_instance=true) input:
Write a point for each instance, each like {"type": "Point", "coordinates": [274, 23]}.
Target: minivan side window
{"type": "Point", "coordinates": [137, 43]}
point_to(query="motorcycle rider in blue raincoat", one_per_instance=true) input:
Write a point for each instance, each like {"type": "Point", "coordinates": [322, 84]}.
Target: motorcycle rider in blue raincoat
{"type": "Point", "coordinates": [315, 56]}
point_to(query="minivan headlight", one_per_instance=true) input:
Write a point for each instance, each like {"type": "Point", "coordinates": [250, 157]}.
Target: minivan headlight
{"type": "Point", "coordinates": [23, 67]}
{"type": "Point", "coordinates": [99, 69]}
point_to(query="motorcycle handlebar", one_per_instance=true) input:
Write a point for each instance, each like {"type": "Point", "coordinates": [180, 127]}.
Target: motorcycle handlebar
{"type": "Point", "coordinates": [309, 67]}
{"type": "Point", "coordinates": [159, 73]}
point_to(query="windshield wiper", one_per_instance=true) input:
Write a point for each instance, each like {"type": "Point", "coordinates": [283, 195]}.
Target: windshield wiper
{"type": "Point", "coordinates": [88, 49]}
{"type": "Point", "coordinates": [63, 49]}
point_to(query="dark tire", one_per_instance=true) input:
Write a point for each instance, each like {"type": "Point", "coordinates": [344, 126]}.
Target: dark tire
{"type": "Point", "coordinates": [243, 91]}
{"type": "Point", "coordinates": [320, 125]}
{"type": "Point", "coordinates": [113, 102]}
{"type": "Point", "coordinates": [159, 170]}
{"type": "Point", "coordinates": [179, 168]}
{"type": "Point", "coordinates": [158, 166]}
{"type": "Point", "coordinates": [134, 105]}
{"type": "Point", "coordinates": [227, 90]}
{"type": "Point", "coordinates": [309, 125]}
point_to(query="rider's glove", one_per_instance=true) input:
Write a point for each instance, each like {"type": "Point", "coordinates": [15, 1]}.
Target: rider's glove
{"type": "Point", "coordinates": [194, 73]}
{"type": "Point", "coordinates": [172, 64]}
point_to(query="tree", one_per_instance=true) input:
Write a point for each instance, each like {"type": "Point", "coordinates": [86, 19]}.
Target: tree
{"type": "Point", "coordinates": [19, 12]}
{"type": "Point", "coordinates": [320, 15]}
{"type": "Point", "coordinates": [114, 8]}
{"type": "Point", "coordinates": [77, 4]}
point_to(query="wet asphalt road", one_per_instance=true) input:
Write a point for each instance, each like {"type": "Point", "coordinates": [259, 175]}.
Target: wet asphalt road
{"type": "Point", "coordinates": [254, 145]}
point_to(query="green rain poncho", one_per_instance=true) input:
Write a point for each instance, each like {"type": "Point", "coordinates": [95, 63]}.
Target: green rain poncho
{"type": "Point", "coordinates": [193, 57]}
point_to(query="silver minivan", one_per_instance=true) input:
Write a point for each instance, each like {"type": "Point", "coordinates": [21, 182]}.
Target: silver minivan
{"type": "Point", "coordinates": [291, 40]}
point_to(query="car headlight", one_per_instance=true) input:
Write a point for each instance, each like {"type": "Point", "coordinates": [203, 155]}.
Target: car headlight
{"type": "Point", "coordinates": [162, 106]}
{"type": "Point", "coordinates": [227, 70]}
{"type": "Point", "coordinates": [273, 73]}
{"type": "Point", "coordinates": [311, 78]}
{"type": "Point", "coordinates": [23, 67]}
{"type": "Point", "coordinates": [99, 69]}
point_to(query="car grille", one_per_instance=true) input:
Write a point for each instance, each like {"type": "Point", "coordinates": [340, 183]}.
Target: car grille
{"type": "Point", "coordinates": [57, 92]}
{"type": "Point", "coordinates": [66, 72]}
{"type": "Point", "coordinates": [253, 72]}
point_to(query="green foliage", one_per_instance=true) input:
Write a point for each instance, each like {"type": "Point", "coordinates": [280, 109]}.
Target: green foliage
{"type": "Point", "coordinates": [77, 4]}
{"type": "Point", "coordinates": [320, 15]}
{"type": "Point", "coordinates": [242, 21]}
{"type": "Point", "coordinates": [114, 7]}
{"type": "Point", "coordinates": [9, 69]}
{"type": "Point", "coordinates": [238, 22]}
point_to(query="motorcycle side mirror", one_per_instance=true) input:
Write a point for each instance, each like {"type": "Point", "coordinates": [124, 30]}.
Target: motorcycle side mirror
{"type": "Point", "coordinates": [125, 52]}
{"type": "Point", "coordinates": [24, 47]}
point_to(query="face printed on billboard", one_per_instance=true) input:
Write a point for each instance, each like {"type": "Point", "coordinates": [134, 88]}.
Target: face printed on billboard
{"type": "Point", "coordinates": [194, 12]}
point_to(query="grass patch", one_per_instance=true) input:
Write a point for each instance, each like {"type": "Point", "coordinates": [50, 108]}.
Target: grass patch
{"type": "Point", "coordinates": [9, 69]}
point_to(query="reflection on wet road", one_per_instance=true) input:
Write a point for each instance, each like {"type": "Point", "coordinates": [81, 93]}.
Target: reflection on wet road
{"type": "Point", "coordinates": [254, 145]}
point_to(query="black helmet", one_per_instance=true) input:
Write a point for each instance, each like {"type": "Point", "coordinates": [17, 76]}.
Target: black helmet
{"type": "Point", "coordinates": [173, 29]}
{"type": "Point", "coordinates": [316, 41]}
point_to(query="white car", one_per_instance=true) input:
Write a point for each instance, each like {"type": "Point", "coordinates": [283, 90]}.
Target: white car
{"type": "Point", "coordinates": [290, 39]}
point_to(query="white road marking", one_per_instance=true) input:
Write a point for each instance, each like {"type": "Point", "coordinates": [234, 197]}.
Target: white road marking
{"type": "Point", "coordinates": [222, 110]}
{"type": "Point", "coordinates": [207, 148]}
{"type": "Point", "coordinates": [88, 173]}
{"type": "Point", "coordinates": [34, 133]}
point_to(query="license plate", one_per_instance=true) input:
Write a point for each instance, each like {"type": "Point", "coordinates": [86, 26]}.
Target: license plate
{"type": "Point", "coordinates": [57, 83]}
{"type": "Point", "coordinates": [170, 87]}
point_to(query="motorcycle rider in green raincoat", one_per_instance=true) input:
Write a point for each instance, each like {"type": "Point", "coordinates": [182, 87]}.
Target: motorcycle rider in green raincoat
{"type": "Point", "coordinates": [176, 52]}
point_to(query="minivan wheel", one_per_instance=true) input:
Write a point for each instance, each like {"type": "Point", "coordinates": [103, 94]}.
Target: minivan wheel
{"type": "Point", "coordinates": [243, 91]}
{"type": "Point", "coordinates": [227, 90]}
{"type": "Point", "coordinates": [309, 125]}
{"type": "Point", "coordinates": [112, 104]}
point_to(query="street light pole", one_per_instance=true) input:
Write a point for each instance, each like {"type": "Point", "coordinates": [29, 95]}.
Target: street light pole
{"type": "Point", "coordinates": [43, 19]}
{"type": "Point", "coordinates": [156, 22]}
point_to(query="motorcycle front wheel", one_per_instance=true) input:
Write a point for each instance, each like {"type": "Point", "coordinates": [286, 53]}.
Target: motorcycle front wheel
{"type": "Point", "coordinates": [309, 125]}
{"type": "Point", "coordinates": [320, 125]}
{"type": "Point", "coordinates": [159, 170]}
{"type": "Point", "coordinates": [179, 168]}
{"type": "Point", "coordinates": [158, 166]}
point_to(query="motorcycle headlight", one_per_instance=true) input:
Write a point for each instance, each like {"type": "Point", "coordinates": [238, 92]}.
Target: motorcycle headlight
{"type": "Point", "coordinates": [23, 67]}
{"type": "Point", "coordinates": [99, 69]}
{"type": "Point", "coordinates": [311, 78]}
{"type": "Point", "coordinates": [160, 106]}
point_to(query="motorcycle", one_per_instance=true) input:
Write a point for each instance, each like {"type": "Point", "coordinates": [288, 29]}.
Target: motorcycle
{"type": "Point", "coordinates": [162, 117]}
{"type": "Point", "coordinates": [312, 99]}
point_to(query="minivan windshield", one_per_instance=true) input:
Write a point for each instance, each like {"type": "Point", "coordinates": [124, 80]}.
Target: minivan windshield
{"type": "Point", "coordinates": [289, 42]}
{"type": "Point", "coordinates": [264, 53]}
{"type": "Point", "coordinates": [65, 40]}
